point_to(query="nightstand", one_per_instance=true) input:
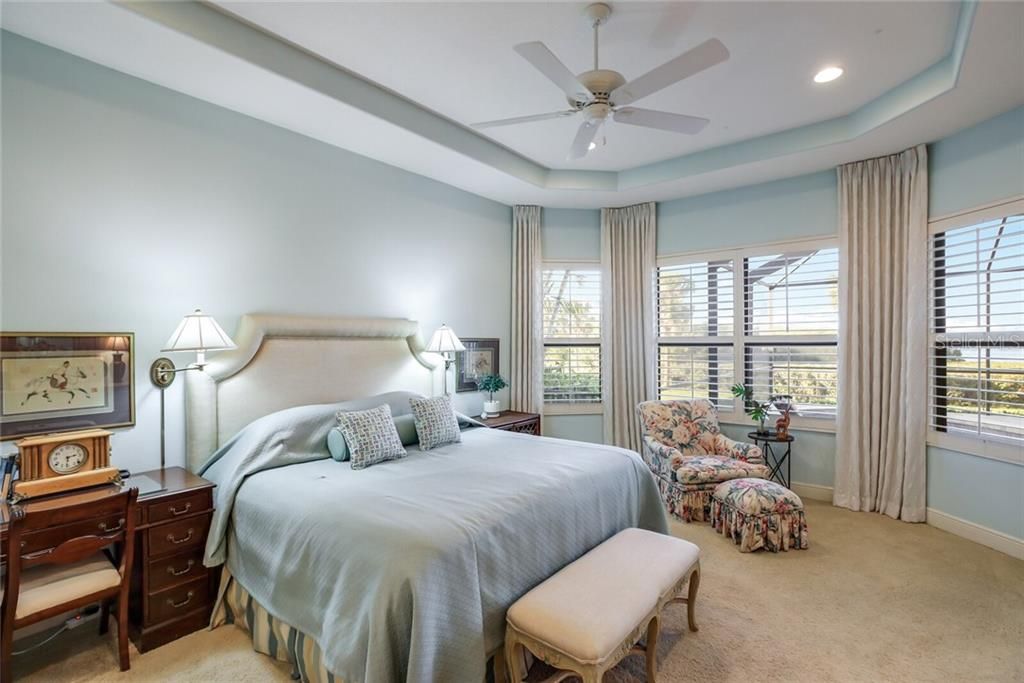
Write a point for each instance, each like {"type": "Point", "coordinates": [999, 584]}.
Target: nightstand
{"type": "Point", "coordinates": [172, 592]}
{"type": "Point", "coordinates": [513, 421]}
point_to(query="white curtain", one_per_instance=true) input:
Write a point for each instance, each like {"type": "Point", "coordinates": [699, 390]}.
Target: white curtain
{"type": "Point", "coordinates": [883, 243]}
{"type": "Point", "coordinates": [526, 383]}
{"type": "Point", "coordinates": [628, 262]}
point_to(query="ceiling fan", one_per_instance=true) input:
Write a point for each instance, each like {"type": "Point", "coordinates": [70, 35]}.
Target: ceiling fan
{"type": "Point", "coordinates": [600, 93]}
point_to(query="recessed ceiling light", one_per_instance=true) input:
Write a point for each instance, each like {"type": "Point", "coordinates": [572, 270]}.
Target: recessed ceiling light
{"type": "Point", "coordinates": [828, 74]}
{"type": "Point", "coordinates": [592, 145]}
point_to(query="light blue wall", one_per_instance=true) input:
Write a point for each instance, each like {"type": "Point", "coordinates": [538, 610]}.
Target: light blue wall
{"type": "Point", "coordinates": [788, 209]}
{"type": "Point", "coordinates": [571, 234]}
{"type": "Point", "coordinates": [979, 165]}
{"type": "Point", "coordinates": [982, 491]}
{"type": "Point", "coordinates": [126, 205]}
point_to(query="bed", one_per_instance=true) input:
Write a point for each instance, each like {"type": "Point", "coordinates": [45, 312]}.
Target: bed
{"type": "Point", "coordinates": [404, 570]}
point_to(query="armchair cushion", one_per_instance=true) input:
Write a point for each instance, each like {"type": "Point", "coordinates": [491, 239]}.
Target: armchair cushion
{"type": "Point", "coordinates": [703, 469]}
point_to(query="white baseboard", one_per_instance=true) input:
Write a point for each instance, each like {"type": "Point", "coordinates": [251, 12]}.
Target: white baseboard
{"type": "Point", "coordinates": [813, 491]}
{"type": "Point", "coordinates": [997, 540]}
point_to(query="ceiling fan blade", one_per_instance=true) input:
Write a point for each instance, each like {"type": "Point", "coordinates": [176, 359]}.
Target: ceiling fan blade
{"type": "Point", "coordinates": [584, 136]}
{"type": "Point", "coordinates": [704, 56]}
{"type": "Point", "coordinates": [545, 61]}
{"type": "Point", "coordinates": [663, 120]}
{"type": "Point", "coordinates": [524, 119]}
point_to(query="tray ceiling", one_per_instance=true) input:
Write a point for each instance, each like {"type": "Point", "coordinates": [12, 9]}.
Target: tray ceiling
{"type": "Point", "coordinates": [400, 82]}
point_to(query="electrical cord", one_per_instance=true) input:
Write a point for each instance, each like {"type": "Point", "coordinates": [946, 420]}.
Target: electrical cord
{"type": "Point", "coordinates": [42, 642]}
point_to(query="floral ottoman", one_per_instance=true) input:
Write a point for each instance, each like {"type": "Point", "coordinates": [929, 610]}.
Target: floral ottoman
{"type": "Point", "coordinates": [757, 514]}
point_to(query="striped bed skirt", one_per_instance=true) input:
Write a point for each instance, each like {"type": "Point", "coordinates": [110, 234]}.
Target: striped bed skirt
{"type": "Point", "coordinates": [283, 642]}
{"type": "Point", "coordinates": [270, 635]}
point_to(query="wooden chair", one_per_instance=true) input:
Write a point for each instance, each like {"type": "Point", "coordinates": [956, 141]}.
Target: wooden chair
{"type": "Point", "coordinates": [71, 573]}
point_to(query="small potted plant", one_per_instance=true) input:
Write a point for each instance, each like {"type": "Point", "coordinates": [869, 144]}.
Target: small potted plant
{"type": "Point", "coordinates": [490, 384]}
{"type": "Point", "coordinates": [757, 410]}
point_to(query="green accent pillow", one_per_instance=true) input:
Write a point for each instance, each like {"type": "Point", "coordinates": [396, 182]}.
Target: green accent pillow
{"type": "Point", "coordinates": [405, 424]}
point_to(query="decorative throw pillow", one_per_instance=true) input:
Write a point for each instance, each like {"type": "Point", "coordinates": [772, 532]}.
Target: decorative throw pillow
{"type": "Point", "coordinates": [436, 423]}
{"type": "Point", "coordinates": [405, 425]}
{"type": "Point", "coordinates": [371, 436]}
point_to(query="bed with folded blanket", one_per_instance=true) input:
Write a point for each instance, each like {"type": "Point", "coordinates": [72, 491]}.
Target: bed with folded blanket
{"type": "Point", "coordinates": [403, 571]}
{"type": "Point", "coordinates": [399, 571]}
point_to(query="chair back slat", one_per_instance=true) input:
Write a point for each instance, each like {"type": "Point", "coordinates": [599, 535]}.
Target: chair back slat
{"type": "Point", "coordinates": [71, 550]}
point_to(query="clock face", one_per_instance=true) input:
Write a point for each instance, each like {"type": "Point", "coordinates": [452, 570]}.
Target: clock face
{"type": "Point", "coordinates": [68, 458]}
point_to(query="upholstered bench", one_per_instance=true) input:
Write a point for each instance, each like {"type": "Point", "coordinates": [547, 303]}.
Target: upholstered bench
{"type": "Point", "coordinates": [759, 514]}
{"type": "Point", "coordinates": [591, 614]}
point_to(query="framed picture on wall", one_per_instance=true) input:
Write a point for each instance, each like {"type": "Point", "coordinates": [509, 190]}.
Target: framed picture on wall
{"type": "Point", "coordinates": [480, 358]}
{"type": "Point", "coordinates": [63, 381]}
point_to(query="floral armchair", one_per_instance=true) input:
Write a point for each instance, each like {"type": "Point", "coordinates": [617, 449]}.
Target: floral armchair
{"type": "Point", "coordinates": [685, 448]}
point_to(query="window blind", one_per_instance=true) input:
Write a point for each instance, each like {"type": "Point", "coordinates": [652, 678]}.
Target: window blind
{"type": "Point", "coordinates": [977, 330]}
{"type": "Point", "coordinates": [572, 334]}
{"type": "Point", "coordinates": [696, 328]}
{"type": "Point", "coordinates": [791, 326]}
{"type": "Point", "coordinates": [792, 294]}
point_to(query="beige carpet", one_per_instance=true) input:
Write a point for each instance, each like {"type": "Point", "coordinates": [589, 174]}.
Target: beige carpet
{"type": "Point", "coordinates": [871, 600]}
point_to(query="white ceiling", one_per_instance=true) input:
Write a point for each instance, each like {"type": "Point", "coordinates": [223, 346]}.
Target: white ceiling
{"type": "Point", "coordinates": [442, 66]}
{"type": "Point", "coordinates": [457, 60]}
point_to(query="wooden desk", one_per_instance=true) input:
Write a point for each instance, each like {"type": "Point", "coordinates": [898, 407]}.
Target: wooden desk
{"type": "Point", "coordinates": [172, 593]}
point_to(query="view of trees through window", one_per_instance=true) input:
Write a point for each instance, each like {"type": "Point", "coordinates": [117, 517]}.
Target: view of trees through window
{"type": "Point", "coordinates": [977, 373]}
{"type": "Point", "coordinates": [572, 334]}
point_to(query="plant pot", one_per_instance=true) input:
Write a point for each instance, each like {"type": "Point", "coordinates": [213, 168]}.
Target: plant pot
{"type": "Point", "coordinates": [492, 408]}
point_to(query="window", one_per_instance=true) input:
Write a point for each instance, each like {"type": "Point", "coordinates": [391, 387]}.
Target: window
{"type": "Point", "coordinates": [778, 337]}
{"type": "Point", "coordinates": [572, 334]}
{"type": "Point", "coordinates": [791, 323]}
{"type": "Point", "coordinates": [977, 326]}
{"type": "Point", "coordinates": [696, 332]}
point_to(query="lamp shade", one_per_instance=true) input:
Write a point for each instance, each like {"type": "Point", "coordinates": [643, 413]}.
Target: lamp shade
{"type": "Point", "coordinates": [444, 341]}
{"type": "Point", "coordinates": [198, 332]}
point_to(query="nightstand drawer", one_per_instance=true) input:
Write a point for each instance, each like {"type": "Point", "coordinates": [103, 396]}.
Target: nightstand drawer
{"type": "Point", "coordinates": [163, 510]}
{"type": "Point", "coordinates": [178, 601]}
{"type": "Point", "coordinates": [175, 569]}
{"type": "Point", "coordinates": [175, 537]}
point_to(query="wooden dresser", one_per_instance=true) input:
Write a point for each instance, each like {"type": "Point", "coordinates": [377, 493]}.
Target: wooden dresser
{"type": "Point", "coordinates": [172, 592]}
{"type": "Point", "coordinates": [513, 421]}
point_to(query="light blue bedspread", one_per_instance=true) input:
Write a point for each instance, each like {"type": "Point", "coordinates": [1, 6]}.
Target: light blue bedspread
{"type": "Point", "coordinates": [403, 571]}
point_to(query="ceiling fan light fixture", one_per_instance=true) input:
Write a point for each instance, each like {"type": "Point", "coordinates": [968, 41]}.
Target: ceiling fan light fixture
{"type": "Point", "coordinates": [828, 74]}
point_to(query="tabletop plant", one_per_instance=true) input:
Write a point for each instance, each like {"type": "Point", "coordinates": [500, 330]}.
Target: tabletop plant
{"type": "Point", "coordinates": [490, 384]}
{"type": "Point", "coordinates": [757, 410]}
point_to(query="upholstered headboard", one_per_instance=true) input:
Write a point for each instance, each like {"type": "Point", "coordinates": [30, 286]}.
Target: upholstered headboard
{"type": "Point", "coordinates": [284, 361]}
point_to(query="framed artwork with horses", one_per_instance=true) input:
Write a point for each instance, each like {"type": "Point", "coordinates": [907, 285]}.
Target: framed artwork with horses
{"type": "Point", "coordinates": [64, 381]}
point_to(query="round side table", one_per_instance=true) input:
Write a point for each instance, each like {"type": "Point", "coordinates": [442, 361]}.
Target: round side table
{"type": "Point", "coordinates": [775, 460]}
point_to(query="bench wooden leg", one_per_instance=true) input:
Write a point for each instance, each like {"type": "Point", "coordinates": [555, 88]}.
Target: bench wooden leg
{"type": "Point", "coordinates": [514, 658]}
{"type": "Point", "coordinates": [691, 599]}
{"type": "Point", "coordinates": [651, 647]}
